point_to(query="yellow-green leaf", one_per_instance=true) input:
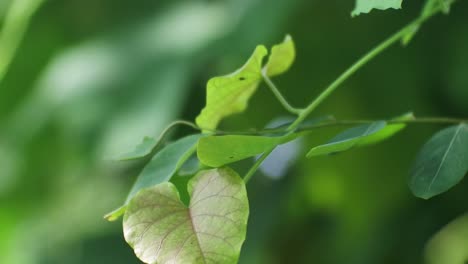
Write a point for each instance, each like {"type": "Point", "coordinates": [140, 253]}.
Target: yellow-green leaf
{"type": "Point", "coordinates": [227, 95]}
{"type": "Point", "coordinates": [281, 58]}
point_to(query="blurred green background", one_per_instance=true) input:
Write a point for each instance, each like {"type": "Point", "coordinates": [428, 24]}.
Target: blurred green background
{"type": "Point", "coordinates": [91, 78]}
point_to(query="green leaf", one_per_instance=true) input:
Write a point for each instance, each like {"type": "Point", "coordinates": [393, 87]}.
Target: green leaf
{"type": "Point", "coordinates": [227, 95]}
{"type": "Point", "coordinates": [449, 244]}
{"type": "Point", "coordinates": [141, 150]}
{"type": "Point", "coordinates": [216, 151]}
{"type": "Point", "coordinates": [281, 58]}
{"type": "Point", "coordinates": [353, 137]}
{"type": "Point", "coordinates": [161, 229]}
{"type": "Point", "coordinates": [365, 6]}
{"type": "Point", "coordinates": [161, 168]}
{"type": "Point", "coordinates": [388, 131]}
{"type": "Point", "coordinates": [441, 163]}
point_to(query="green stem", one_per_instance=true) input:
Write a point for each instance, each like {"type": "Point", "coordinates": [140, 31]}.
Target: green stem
{"type": "Point", "coordinates": [279, 96]}
{"type": "Point", "coordinates": [343, 77]}
{"type": "Point", "coordinates": [256, 165]}
{"type": "Point", "coordinates": [14, 28]}
{"type": "Point", "coordinates": [350, 71]}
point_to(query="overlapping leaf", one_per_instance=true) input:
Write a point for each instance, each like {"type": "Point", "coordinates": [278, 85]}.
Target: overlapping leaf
{"type": "Point", "coordinates": [216, 151]}
{"type": "Point", "coordinates": [141, 150]}
{"type": "Point", "coordinates": [161, 229]}
{"type": "Point", "coordinates": [161, 168]}
{"type": "Point", "coordinates": [365, 6]}
{"type": "Point", "coordinates": [353, 137]}
{"type": "Point", "coordinates": [441, 163]}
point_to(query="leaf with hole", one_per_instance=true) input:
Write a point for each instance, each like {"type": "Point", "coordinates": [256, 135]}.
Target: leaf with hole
{"type": "Point", "coordinates": [281, 58]}
{"type": "Point", "coordinates": [161, 168]}
{"type": "Point", "coordinates": [441, 163]}
{"type": "Point", "coordinates": [353, 137]}
{"type": "Point", "coordinates": [211, 229]}
{"type": "Point", "coordinates": [216, 151]}
{"type": "Point", "coordinates": [227, 95]}
{"type": "Point", "coordinates": [365, 6]}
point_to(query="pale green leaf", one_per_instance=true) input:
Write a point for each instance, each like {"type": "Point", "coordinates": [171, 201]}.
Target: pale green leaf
{"type": "Point", "coordinates": [212, 229]}
{"type": "Point", "coordinates": [281, 58]}
{"type": "Point", "coordinates": [141, 150]}
{"type": "Point", "coordinates": [365, 6]}
{"type": "Point", "coordinates": [449, 244]}
{"type": "Point", "coordinates": [441, 163]}
{"type": "Point", "coordinates": [348, 139]}
{"type": "Point", "coordinates": [227, 95]}
{"type": "Point", "coordinates": [216, 151]}
{"type": "Point", "coordinates": [161, 168]}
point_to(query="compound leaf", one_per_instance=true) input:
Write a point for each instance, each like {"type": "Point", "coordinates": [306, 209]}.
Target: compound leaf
{"type": "Point", "coordinates": [216, 151]}
{"type": "Point", "coordinates": [227, 95]}
{"type": "Point", "coordinates": [281, 58]}
{"type": "Point", "coordinates": [353, 137]}
{"type": "Point", "coordinates": [441, 163]}
{"type": "Point", "coordinates": [365, 6]}
{"type": "Point", "coordinates": [161, 229]}
{"type": "Point", "coordinates": [161, 168]}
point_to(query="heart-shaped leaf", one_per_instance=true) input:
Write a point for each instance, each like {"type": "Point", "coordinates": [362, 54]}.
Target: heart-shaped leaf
{"type": "Point", "coordinates": [216, 151]}
{"type": "Point", "coordinates": [281, 58]}
{"type": "Point", "coordinates": [161, 229]}
{"type": "Point", "coordinates": [441, 163]}
{"type": "Point", "coordinates": [365, 6]}
{"type": "Point", "coordinates": [227, 95]}
{"type": "Point", "coordinates": [353, 137]}
{"type": "Point", "coordinates": [161, 168]}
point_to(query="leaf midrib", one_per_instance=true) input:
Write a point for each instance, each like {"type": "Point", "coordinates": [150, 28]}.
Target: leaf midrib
{"type": "Point", "coordinates": [443, 159]}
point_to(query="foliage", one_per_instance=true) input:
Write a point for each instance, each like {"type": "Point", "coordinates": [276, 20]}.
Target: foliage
{"type": "Point", "coordinates": [162, 230]}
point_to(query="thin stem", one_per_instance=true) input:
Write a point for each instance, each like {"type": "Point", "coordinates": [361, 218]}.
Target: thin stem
{"type": "Point", "coordinates": [343, 77]}
{"type": "Point", "coordinates": [256, 165]}
{"type": "Point", "coordinates": [279, 96]}
{"type": "Point", "coordinates": [350, 71]}
{"type": "Point", "coordinates": [332, 123]}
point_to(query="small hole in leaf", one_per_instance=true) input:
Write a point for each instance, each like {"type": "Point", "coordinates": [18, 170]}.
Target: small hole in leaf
{"type": "Point", "coordinates": [241, 78]}
{"type": "Point", "coordinates": [231, 157]}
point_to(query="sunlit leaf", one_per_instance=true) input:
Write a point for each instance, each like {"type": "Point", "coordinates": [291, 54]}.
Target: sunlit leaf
{"type": "Point", "coordinates": [348, 139]}
{"type": "Point", "coordinates": [216, 151]}
{"type": "Point", "coordinates": [441, 163]}
{"type": "Point", "coordinates": [161, 168]}
{"type": "Point", "coordinates": [281, 58]}
{"type": "Point", "coordinates": [365, 6]}
{"type": "Point", "coordinates": [162, 229]}
{"type": "Point", "coordinates": [141, 150]}
{"type": "Point", "coordinates": [227, 95]}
